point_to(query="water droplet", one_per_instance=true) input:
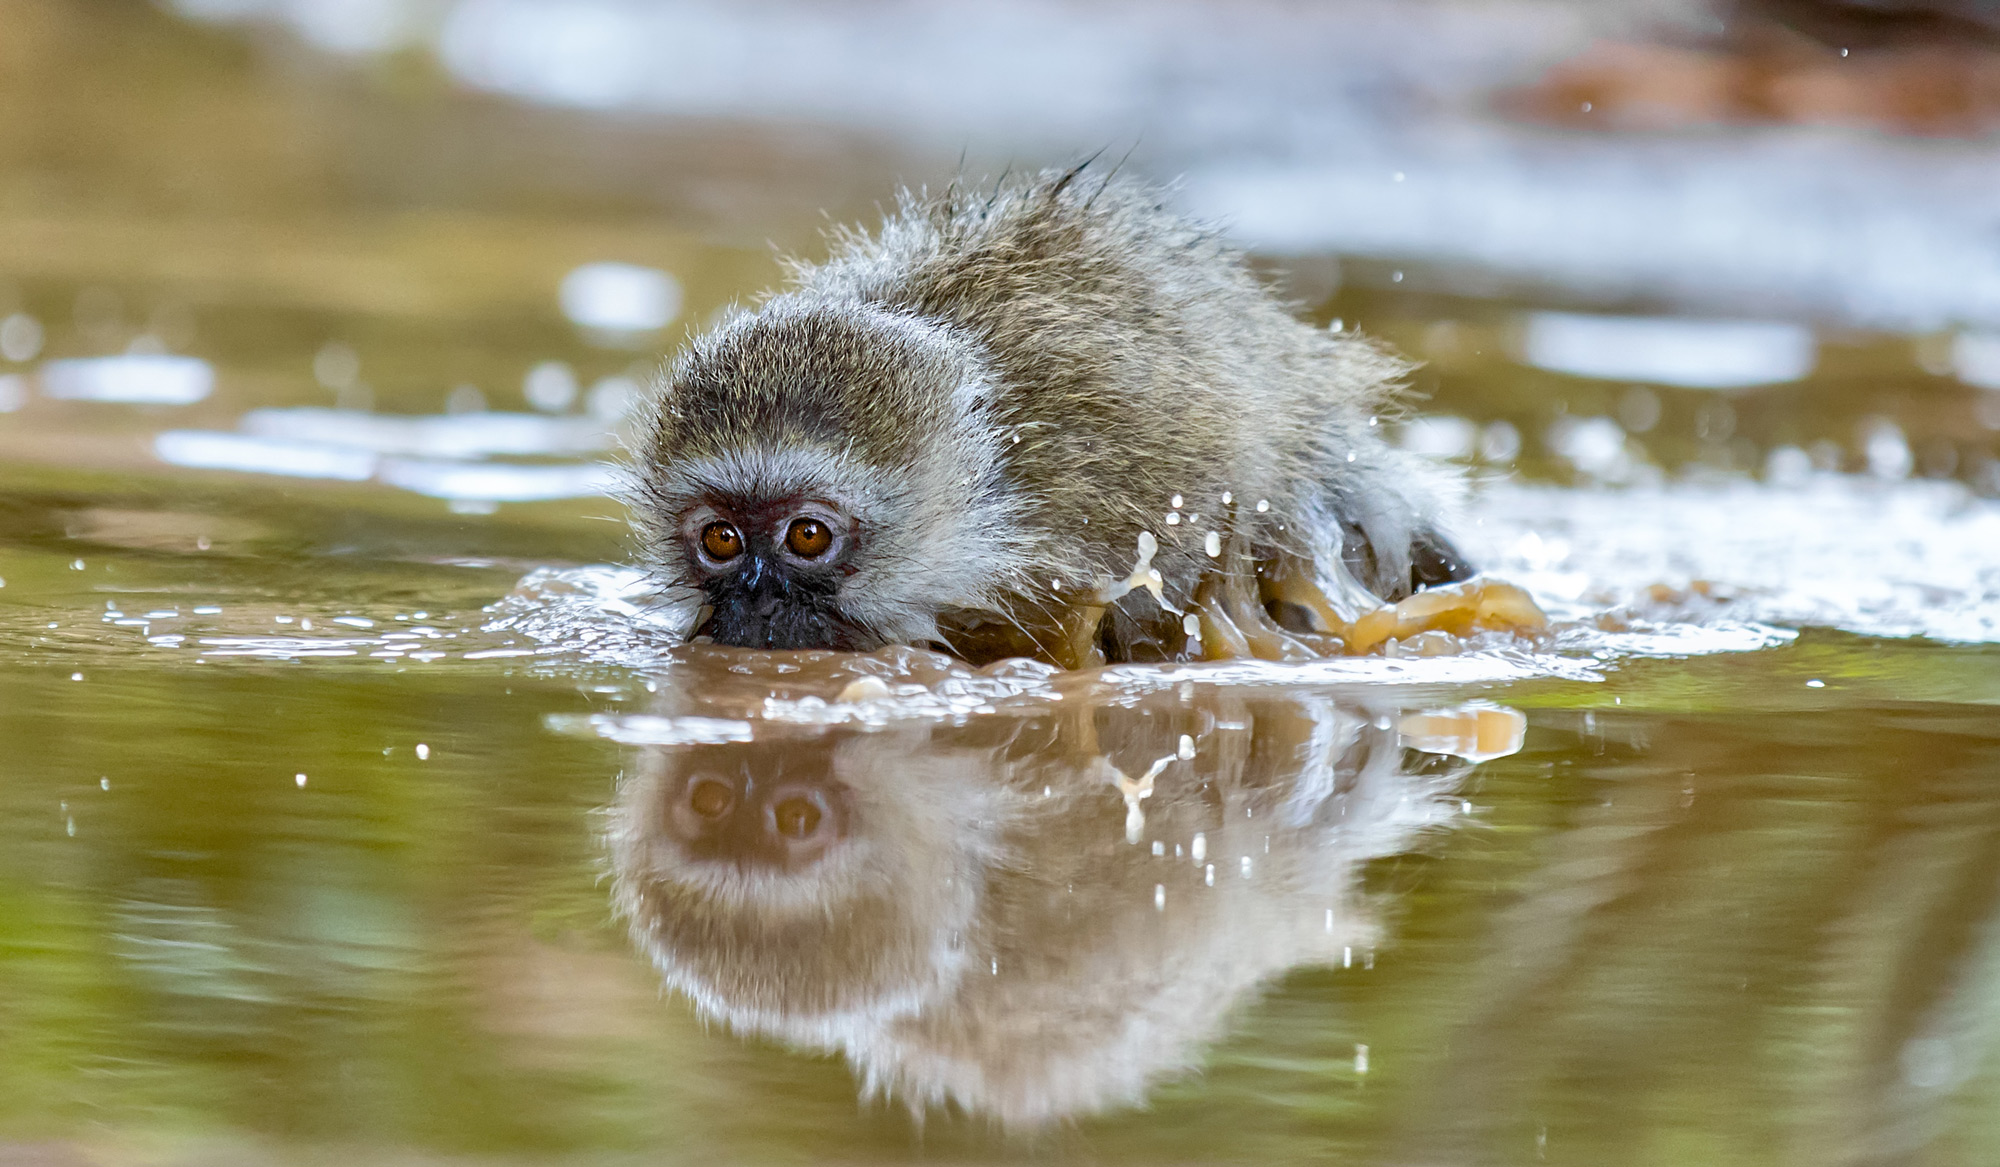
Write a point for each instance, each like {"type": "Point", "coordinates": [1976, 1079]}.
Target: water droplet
{"type": "Point", "coordinates": [423, 752]}
{"type": "Point", "coordinates": [1159, 897]}
{"type": "Point", "coordinates": [1200, 846]}
{"type": "Point", "coordinates": [300, 779]}
{"type": "Point", "coordinates": [1187, 748]}
{"type": "Point", "coordinates": [1213, 544]}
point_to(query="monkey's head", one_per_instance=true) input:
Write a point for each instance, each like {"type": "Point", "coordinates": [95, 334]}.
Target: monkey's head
{"type": "Point", "coordinates": [803, 888]}
{"type": "Point", "coordinates": [825, 475]}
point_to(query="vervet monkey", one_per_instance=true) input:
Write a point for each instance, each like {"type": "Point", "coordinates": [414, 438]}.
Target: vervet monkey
{"type": "Point", "coordinates": [994, 423]}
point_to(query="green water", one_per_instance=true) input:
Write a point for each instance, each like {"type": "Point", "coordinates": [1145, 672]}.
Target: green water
{"type": "Point", "coordinates": [259, 904]}
{"type": "Point", "coordinates": [1706, 914]}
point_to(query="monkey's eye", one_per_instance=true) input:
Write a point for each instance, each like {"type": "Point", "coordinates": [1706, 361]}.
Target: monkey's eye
{"type": "Point", "coordinates": [722, 542]}
{"type": "Point", "coordinates": [711, 799]}
{"type": "Point", "coordinates": [796, 817]}
{"type": "Point", "coordinates": [808, 538]}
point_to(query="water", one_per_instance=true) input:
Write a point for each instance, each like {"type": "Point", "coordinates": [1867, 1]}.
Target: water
{"type": "Point", "coordinates": [357, 806]}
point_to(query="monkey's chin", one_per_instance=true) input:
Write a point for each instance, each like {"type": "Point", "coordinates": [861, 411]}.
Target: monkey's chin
{"type": "Point", "coordinates": [816, 630]}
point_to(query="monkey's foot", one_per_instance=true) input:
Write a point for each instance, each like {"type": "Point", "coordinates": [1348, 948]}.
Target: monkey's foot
{"type": "Point", "coordinates": [1235, 625]}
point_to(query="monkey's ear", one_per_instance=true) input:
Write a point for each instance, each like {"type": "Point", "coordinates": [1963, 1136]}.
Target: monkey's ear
{"type": "Point", "coordinates": [1434, 561]}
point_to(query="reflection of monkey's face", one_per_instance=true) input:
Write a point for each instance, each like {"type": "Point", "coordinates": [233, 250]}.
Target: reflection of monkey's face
{"type": "Point", "coordinates": [781, 812]}
{"type": "Point", "coordinates": [793, 885]}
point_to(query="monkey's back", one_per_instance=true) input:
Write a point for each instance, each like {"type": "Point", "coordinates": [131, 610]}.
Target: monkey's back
{"type": "Point", "coordinates": [1136, 360]}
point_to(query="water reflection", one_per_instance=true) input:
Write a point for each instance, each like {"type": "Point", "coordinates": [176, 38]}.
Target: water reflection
{"type": "Point", "coordinates": [1030, 914]}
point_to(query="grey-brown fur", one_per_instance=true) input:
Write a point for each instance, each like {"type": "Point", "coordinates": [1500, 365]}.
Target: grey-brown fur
{"type": "Point", "coordinates": [1010, 385]}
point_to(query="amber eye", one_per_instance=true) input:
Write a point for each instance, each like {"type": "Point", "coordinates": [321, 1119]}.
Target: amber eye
{"type": "Point", "coordinates": [808, 538]}
{"type": "Point", "coordinates": [721, 541]}
{"type": "Point", "coordinates": [711, 799]}
{"type": "Point", "coordinates": [796, 818]}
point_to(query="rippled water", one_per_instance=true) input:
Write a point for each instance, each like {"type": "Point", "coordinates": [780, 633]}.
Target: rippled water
{"type": "Point", "coordinates": [357, 804]}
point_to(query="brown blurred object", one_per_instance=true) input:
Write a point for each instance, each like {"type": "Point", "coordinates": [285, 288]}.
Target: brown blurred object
{"type": "Point", "coordinates": [1917, 68]}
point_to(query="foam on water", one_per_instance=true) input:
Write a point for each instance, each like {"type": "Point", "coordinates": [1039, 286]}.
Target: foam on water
{"type": "Point", "coordinates": [1875, 558]}
{"type": "Point", "coordinates": [1681, 570]}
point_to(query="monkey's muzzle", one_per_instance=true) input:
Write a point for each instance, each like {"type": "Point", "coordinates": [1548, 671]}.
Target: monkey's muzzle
{"type": "Point", "coordinates": [767, 604]}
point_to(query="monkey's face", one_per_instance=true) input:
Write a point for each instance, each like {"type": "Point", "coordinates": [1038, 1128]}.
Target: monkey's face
{"type": "Point", "coordinates": [770, 811]}
{"type": "Point", "coordinates": [794, 886]}
{"type": "Point", "coordinates": [826, 476]}
{"type": "Point", "coordinates": [771, 570]}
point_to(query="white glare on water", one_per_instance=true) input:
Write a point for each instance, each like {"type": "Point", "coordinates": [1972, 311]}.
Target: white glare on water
{"type": "Point", "coordinates": [463, 435]}
{"type": "Point", "coordinates": [496, 481]}
{"type": "Point", "coordinates": [142, 380]}
{"type": "Point", "coordinates": [1699, 354]}
{"type": "Point", "coordinates": [1438, 436]}
{"type": "Point", "coordinates": [20, 337]}
{"type": "Point", "coordinates": [1594, 445]}
{"type": "Point", "coordinates": [620, 297]}
{"type": "Point", "coordinates": [1975, 357]}
{"type": "Point", "coordinates": [207, 450]}
{"type": "Point", "coordinates": [336, 365]}
{"type": "Point", "coordinates": [550, 386]}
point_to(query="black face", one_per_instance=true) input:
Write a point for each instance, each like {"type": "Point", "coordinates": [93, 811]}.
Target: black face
{"type": "Point", "coordinates": [772, 572]}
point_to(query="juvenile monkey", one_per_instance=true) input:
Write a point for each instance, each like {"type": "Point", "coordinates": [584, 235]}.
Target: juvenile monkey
{"type": "Point", "coordinates": [994, 423]}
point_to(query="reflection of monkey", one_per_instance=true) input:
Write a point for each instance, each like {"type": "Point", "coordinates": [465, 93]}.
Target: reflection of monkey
{"type": "Point", "coordinates": [986, 424]}
{"type": "Point", "coordinates": [959, 911]}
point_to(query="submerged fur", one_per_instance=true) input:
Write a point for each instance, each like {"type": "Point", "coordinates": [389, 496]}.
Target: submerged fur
{"type": "Point", "coordinates": [1008, 388]}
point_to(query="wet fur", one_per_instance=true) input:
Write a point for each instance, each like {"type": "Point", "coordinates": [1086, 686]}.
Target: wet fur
{"type": "Point", "coordinates": [1007, 386]}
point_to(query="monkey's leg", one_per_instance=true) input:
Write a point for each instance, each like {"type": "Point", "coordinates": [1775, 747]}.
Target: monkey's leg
{"type": "Point", "coordinates": [1221, 639]}
{"type": "Point", "coordinates": [1078, 646]}
{"type": "Point", "coordinates": [1242, 611]}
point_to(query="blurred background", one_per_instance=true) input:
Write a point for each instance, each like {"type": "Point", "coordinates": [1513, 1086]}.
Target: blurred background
{"type": "Point", "coordinates": [319, 322]}
{"type": "Point", "coordinates": [1628, 240]}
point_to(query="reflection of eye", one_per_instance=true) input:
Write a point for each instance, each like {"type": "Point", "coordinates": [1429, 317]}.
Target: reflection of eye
{"type": "Point", "coordinates": [796, 818]}
{"type": "Point", "coordinates": [711, 799]}
{"type": "Point", "coordinates": [721, 541]}
{"type": "Point", "coordinates": [808, 538]}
